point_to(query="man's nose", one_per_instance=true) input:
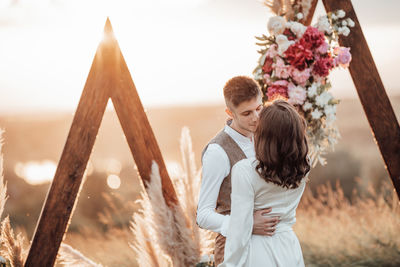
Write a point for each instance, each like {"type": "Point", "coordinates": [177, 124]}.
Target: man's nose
{"type": "Point", "coordinates": [255, 115]}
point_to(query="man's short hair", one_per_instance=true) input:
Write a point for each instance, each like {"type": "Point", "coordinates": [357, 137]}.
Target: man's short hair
{"type": "Point", "coordinates": [240, 89]}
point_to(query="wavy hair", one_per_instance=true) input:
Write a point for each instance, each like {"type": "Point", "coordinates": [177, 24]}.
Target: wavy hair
{"type": "Point", "coordinates": [281, 145]}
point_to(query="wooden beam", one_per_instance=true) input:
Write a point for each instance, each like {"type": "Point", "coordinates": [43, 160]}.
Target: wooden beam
{"type": "Point", "coordinates": [138, 132]}
{"type": "Point", "coordinates": [108, 77]}
{"type": "Point", "coordinates": [307, 20]}
{"type": "Point", "coordinates": [372, 94]}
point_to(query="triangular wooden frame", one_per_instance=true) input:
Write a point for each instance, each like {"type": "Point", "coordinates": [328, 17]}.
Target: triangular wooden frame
{"type": "Point", "coordinates": [109, 77]}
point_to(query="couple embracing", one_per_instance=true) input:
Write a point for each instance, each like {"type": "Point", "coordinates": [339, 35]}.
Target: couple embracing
{"type": "Point", "coordinates": [254, 174]}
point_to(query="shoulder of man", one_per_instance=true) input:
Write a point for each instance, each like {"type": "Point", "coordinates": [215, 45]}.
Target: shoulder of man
{"type": "Point", "coordinates": [213, 150]}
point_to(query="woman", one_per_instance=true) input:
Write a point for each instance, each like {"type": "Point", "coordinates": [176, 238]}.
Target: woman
{"type": "Point", "coordinates": [275, 178]}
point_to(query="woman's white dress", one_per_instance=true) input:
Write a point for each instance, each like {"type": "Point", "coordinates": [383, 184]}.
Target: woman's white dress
{"type": "Point", "coordinates": [249, 193]}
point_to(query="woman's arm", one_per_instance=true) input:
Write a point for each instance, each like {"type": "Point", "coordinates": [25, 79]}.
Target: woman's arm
{"type": "Point", "coordinates": [241, 220]}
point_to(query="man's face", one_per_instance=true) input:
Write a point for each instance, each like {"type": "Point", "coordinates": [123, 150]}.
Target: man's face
{"type": "Point", "coordinates": [245, 115]}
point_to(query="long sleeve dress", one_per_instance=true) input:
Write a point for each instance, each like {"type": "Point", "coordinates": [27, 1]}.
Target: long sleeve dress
{"type": "Point", "coordinates": [249, 193]}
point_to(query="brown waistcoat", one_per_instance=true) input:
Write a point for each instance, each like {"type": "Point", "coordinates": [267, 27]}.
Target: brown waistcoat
{"type": "Point", "coordinates": [235, 154]}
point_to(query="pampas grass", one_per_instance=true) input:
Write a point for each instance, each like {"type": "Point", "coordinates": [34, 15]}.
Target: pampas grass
{"type": "Point", "coordinates": [3, 186]}
{"type": "Point", "coordinates": [146, 248]}
{"type": "Point", "coordinates": [281, 7]}
{"type": "Point", "coordinates": [188, 191]}
{"type": "Point", "coordinates": [173, 232]}
{"type": "Point", "coordinates": [69, 256]}
{"type": "Point", "coordinates": [11, 245]}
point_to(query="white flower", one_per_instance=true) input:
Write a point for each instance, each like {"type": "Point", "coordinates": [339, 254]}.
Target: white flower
{"type": "Point", "coordinates": [323, 99]}
{"type": "Point", "coordinates": [334, 17]}
{"type": "Point", "coordinates": [350, 22]}
{"type": "Point", "coordinates": [299, 15]}
{"type": "Point", "coordinates": [344, 23]}
{"type": "Point", "coordinates": [280, 39]}
{"type": "Point", "coordinates": [323, 24]}
{"type": "Point", "coordinates": [298, 29]}
{"type": "Point", "coordinates": [346, 31]}
{"type": "Point", "coordinates": [316, 114]}
{"type": "Point", "coordinates": [297, 94]}
{"type": "Point", "coordinates": [312, 90]}
{"type": "Point", "coordinates": [330, 119]}
{"type": "Point", "coordinates": [282, 48]}
{"type": "Point", "coordinates": [262, 59]}
{"type": "Point", "coordinates": [307, 106]}
{"type": "Point", "coordinates": [283, 43]}
{"type": "Point", "coordinates": [276, 25]}
{"type": "Point", "coordinates": [258, 74]}
{"type": "Point", "coordinates": [330, 110]}
{"type": "Point", "coordinates": [340, 13]}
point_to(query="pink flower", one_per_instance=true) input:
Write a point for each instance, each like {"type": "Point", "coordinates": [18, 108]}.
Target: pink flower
{"type": "Point", "coordinates": [300, 77]}
{"type": "Point", "coordinates": [323, 48]}
{"type": "Point", "coordinates": [278, 89]}
{"type": "Point", "coordinates": [272, 51]}
{"type": "Point", "coordinates": [289, 34]}
{"type": "Point", "coordinates": [281, 70]}
{"type": "Point", "coordinates": [267, 79]}
{"type": "Point", "coordinates": [312, 38]}
{"type": "Point", "coordinates": [267, 68]}
{"type": "Point", "coordinates": [343, 57]}
{"type": "Point", "coordinates": [322, 66]}
{"type": "Point", "coordinates": [297, 94]}
{"type": "Point", "coordinates": [298, 56]}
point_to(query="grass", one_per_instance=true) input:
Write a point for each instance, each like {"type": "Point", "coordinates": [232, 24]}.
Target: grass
{"type": "Point", "coordinates": [335, 231]}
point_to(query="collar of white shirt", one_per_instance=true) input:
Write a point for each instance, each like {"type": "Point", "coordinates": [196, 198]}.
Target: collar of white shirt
{"type": "Point", "coordinates": [238, 137]}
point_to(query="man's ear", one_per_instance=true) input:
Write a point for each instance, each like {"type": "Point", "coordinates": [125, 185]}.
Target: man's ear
{"type": "Point", "coordinates": [229, 113]}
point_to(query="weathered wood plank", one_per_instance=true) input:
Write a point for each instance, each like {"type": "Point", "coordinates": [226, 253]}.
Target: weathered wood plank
{"type": "Point", "coordinates": [61, 197]}
{"type": "Point", "coordinates": [138, 132]}
{"type": "Point", "coordinates": [108, 76]}
{"type": "Point", "coordinates": [307, 20]}
{"type": "Point", "coordinates": [372, 94]}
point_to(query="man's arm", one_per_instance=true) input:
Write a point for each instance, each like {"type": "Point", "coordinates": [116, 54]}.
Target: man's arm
{"type": "Point", "coordinates": [216, 167]}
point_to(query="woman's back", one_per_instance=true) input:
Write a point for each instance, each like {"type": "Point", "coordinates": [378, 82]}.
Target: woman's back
{"type": "Point", "coordinates": [283, 201]}
{"type": "Point", "coordinates": [251, 192]}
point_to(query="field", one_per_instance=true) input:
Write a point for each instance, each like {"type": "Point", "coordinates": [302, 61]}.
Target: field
{"type": "Point", "coordinates": [351, 224]}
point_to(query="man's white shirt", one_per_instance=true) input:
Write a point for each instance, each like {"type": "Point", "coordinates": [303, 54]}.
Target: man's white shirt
{"type": "Point", "coordinates": [216, 167]}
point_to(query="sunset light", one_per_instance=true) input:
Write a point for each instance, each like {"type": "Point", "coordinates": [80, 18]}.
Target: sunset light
{"type": "Point", "coordinates": [178, 52]}
{"type": "Point", "coordinates": [199, 133]}
{"type": "Point", "coordinates": [36, 172]}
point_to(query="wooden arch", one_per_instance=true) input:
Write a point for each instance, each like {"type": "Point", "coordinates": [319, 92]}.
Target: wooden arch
{"type": "Point", "coordinates": [109, 77]}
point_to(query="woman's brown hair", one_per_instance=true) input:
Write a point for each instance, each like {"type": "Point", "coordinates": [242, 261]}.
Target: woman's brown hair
{"type": "Point", "coordinates": [281, 145]}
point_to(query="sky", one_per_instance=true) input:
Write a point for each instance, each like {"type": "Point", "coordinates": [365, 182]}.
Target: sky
{"type": "Point", "coordinates": [179, 52]}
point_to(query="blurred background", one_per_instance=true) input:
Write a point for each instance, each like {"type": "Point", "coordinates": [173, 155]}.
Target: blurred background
{"type": "Point", "coordinates": [180, 53]}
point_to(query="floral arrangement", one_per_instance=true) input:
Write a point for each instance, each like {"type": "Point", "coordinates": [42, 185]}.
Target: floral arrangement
{"type": "Point", "coordinates": [295, 63]}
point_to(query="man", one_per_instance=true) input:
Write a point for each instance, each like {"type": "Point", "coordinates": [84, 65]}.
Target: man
{"type": "Point", "coordinates": [243, 100]}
